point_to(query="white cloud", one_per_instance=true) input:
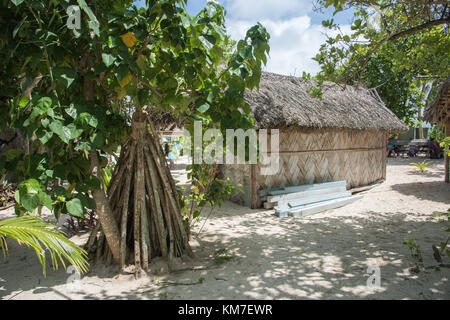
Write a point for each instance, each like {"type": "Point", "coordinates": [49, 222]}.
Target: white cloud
{"type": "Point", "coordinates": [273, 9]}
{"type": "Point", "coordinates": [293, 43]}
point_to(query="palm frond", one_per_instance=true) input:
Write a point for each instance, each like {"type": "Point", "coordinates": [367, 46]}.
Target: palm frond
{"type": "Point", "coordinates": [42, 236]}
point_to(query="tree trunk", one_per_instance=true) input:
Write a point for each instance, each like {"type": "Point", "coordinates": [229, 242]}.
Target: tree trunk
{"type": "Point", "coordinates": [446, 157]}
{"type": "Point", "coordinates": [419, 113]}
{"type": "Point", "coordinates": [419, 117]}
{"type": "Point", "coordinates": [109, 225]}
{"type": "Point", "coordinates": [105, 216]}
{"type": "Point", "coordinates": [144, 202]}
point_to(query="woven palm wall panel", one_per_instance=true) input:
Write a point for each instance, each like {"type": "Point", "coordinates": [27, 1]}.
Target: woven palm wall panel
{"type": "Point", "coordinates": [314, 156]}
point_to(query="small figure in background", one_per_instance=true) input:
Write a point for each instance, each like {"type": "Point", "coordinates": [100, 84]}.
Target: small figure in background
{"type": "Point", "coordinates": [166, 149]}
{"type": "Point", "coordinates": [167, 154]}
{"type": "Point", "coordinates": [413, 150]}
{"type": "Point", "coordinates": [392, 149]}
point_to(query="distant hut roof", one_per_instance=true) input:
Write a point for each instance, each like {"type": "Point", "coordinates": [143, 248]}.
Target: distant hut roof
{"type": "Point", "coordinates": [438, 111]}
{"type": "Point", "coordinates": [165, 120]}
{"type": "Point", "coordinates": [284, 101]}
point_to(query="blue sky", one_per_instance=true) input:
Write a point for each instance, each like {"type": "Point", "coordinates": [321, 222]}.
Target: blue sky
{"type": "Point", "coordinates": [295, 28]}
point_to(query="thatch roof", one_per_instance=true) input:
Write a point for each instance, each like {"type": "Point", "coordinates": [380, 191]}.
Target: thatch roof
{"type": "Point", "coordinates": [165, 120]}
{"type": "Point", "coordinates": [284, 101]}
{"type": "Point", "coordinates": [438, 111]}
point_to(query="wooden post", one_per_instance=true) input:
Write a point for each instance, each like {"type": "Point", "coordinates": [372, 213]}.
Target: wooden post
{"type": "Point", "coordinates": [384, 154]}
{"type": "Point", "coordinates": [253, 192]}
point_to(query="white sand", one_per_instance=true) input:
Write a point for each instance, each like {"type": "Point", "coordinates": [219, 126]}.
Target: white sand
{"type": "Point", "coordinates": [324, 256]}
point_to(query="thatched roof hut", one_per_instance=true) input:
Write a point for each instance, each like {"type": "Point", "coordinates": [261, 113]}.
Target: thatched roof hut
{"type": "Point", "coordinates": [284, 101]}
{"type": "Point", "coordinates": [438, 112]}
{"type": "Point", "coordinates": [340, 137]}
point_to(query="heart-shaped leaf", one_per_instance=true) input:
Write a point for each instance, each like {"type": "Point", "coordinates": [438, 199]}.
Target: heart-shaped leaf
{"type": "Point", "coordinates": [75, 207]}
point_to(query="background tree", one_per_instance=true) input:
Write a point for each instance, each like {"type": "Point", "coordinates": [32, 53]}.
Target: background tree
{"type": "Point", "coordinates": [394, 46]}
{"type": "Point", "coordinates": [65, 88]}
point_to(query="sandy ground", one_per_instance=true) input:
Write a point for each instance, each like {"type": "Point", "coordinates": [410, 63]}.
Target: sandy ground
{"type": "Point", "coordinates": [251, 254]}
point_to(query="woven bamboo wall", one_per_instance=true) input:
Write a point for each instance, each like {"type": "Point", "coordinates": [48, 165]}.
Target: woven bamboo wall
{"type": "Point", "coordinates": [313, 156]}
{"type": "Point", "coordinates": [239, 174]}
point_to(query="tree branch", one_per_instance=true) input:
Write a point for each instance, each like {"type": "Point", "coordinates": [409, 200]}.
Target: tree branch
{"type": "Point", "coordinates": [148, 85]}
{"type": "Point", "coordinates": [399, 35]}
{"type": "Point", "coordinates": [418, 28]}
{"type": "Point", "coordinates": [147, 40]}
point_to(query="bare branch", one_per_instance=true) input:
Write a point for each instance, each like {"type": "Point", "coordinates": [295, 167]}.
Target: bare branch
{"type": "Point", "coordinates": [147, 40]}
{"type": "Point", "coordinates": [148, 85]}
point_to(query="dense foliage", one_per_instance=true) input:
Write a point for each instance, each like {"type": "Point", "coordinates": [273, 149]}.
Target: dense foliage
{"type": "Point", "coordinates": [64, 87]}
{"type": "Point", "coordinates": [394, 46]}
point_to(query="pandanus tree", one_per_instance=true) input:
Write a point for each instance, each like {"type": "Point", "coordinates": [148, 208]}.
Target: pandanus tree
{"type": "Point", "coordinates": [64, 85]}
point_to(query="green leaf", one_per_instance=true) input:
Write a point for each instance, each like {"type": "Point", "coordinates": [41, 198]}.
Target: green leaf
{"type": "Point", "coordinates": [211, 9]}
{"type": "Point", "coordinates": [245, 52]}
{"type": "Point", "coordinates": [94, 27]}
{"type": "Point", "coordinates": [97, 139]}
{"type": "Point", "coordinates": [63, 132]}
{"type": "Point", "coordinates": [18, 26]}
{"type": "Point", "coordinates": [220, 30]}
{"type": "Point", "coordinates": [142, 96]}
{"type": "Point", "coordinates": [23, 102]}
{"type": "Point", "coordinates": [17, 2]}
{"type": "Point", "coordinates": [207, 41]}
{"type": "Point", "coordinates": [45, 122]}
{"type": "Point", "coordinates": [122, 72]}
{"type": "Point", "coordinates": [74, 131]}
{"type": "Point", "coordinates": [13, 153]}
{"type": "Point", "coordinates": [65, 75]}
{"type": "Point", "coordinates": [87, 119]}
{"type": "Point", "coordinates": [77, 108]}
{"type": "Point", "coordinates": [114, 41]}
{"type": "Point", "coordinates": [75, 207]}
{"type": "Point", "coordinates": [93, 182]}
{"type": "Point", "coordinates": [203, 107]}
{"type": "Point", "coordinates": [60, 172]}
{"type": "Point", "coordinates": [30, 186]}
{"type": "Point", "coordinates": [142, 63]}
{"type": "Point", "coordinates": [108, 59]}
{"type": "Point", "coordinates": [42, 105]}
{"type": "Point", "coordinates": [59, 191]}
{"type": "Point", "coordinates": [87, 202]}
{"type": "Point", "coordinates": [46, 200]}
{"type": "Point", "coordinates": [93, 20]}
{"type": "Point", "coordinates": [44, 135]}
{"type": "Point", "coordinates": [29, 201]}
{"type": "Point", "coordinates": [171, 83]}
